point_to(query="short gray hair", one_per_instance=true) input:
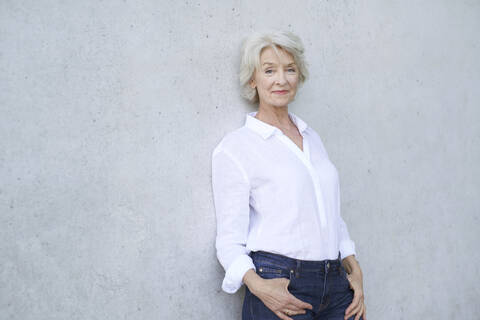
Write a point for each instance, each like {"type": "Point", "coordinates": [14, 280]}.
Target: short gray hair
{"type": "Point", "coordinates": [253, 45]}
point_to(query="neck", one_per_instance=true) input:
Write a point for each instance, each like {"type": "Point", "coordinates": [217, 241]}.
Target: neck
{"type": "Point", "coordinates": [275, 116]}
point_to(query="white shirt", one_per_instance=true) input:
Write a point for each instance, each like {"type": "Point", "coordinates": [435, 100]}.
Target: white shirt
{"type": "Point", "coordinates": [270, 195]}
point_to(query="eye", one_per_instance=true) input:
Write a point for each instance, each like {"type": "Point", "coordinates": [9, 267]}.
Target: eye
{"type": "Point", "coordinates": [268, 71]}
{"type": "Point", "coordinates": [291, 70]}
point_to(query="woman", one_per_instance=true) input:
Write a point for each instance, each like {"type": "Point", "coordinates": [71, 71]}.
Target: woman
{"type": "Point", "coordinates": [277, 201]}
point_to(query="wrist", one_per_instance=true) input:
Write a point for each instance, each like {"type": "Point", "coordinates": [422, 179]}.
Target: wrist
{"type": "Point", "coordinates": [356, 273]}
{"type": "Point", "coordinates": [253, 281]}
{"type": "Point", "coordinates": [351, 265]}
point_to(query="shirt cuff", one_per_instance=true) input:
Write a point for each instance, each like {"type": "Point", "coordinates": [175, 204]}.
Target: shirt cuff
{"type": "Point", "coordinates": [234, 276]}
{"type": "Point", "coordinates": [347, 248]}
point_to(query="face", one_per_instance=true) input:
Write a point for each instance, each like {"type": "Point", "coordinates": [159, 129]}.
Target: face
{"type": "Point", "coordinates": [277, 79]}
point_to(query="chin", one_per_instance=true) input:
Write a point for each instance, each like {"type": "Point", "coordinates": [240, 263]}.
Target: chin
{"type": "Point", "coordinates": [283, 102]}
{"type": "Point", "coordinates": [281, 105]}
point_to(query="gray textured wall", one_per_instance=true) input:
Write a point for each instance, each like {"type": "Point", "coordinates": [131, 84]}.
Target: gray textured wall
{"type": "Point", "coordinates": [110, 110]}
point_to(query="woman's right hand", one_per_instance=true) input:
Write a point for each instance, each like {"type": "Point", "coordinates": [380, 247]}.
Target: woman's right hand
{"type": "Point", "coordinates": [275, 295]}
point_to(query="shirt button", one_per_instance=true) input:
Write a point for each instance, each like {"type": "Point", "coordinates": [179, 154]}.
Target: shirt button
{"type": "Point", "coordinates": [260, 269]}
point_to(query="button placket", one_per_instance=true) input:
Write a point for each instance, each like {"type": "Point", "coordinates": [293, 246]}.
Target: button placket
{"type": "Point", "coordinates": [311, 171]}
{"type": "Point", "coordinates": [306, 148]}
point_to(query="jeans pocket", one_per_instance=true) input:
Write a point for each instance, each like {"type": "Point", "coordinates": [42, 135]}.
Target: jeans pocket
{"type": "Point", "coordinates": [270, 270]}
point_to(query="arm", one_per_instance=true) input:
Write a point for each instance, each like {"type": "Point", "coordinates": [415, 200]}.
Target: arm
{"type": "Point", "coordinates": [347, 246]}
{"type": "Point", "coordinates": [355, 275]}
{"type": "Point", "coordinates": [253, 281]}
{"type": "Point", "coordinates": [231, 190]}
{"type": "Point", "coordinates": [351, 265]}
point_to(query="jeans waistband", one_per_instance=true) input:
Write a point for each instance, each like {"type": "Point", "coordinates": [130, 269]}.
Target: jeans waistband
{"type": "Point", "coordinates": [296, 263]}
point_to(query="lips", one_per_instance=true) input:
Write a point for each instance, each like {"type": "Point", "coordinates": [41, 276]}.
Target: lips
{"type": "Point", "coordinates": [281, 91]}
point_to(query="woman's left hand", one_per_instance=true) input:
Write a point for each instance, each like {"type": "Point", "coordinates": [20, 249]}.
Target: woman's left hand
{"type": "Point", "coordinates": [358, 305]}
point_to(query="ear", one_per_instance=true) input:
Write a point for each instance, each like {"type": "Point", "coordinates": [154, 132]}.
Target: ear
{"type": "Point", "coordinates": [252, 83]}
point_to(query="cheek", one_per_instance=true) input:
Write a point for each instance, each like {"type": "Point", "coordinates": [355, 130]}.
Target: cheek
{"type": "Point", "coordinates": [293, 80]}
{"type": "Point", "coordinates": [266, 84]}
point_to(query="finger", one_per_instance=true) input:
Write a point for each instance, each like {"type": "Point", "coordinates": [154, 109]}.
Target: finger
{"type": "Point", "coordinates": [281, 315]}
{"type": "Point", "coordinates": [293, 307]}
{"type": "Point", "coordinates": [355, 301]}
{"type": "Point", "coordinates": [352, 307]}
{"type": "Point", "coordinates": [354, 311]}
{"type": "Point", "coordinates": [361, 312]}
{"type": "Point", "coordinates": [299, 303]}
{"type": "Point", "coordinates": [290, 312]}
{"type": "Point", "coordinates": [295, 304]}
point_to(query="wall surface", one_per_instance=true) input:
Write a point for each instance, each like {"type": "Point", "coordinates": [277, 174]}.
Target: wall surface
{"type": "Point", "coordinates": [109, 111]}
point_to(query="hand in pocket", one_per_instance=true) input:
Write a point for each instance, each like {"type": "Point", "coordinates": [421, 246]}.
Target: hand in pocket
{"type": "Point", "coordinates": [275, 295]}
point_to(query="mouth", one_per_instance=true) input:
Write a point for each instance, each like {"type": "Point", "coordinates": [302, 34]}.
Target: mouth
{"type": "Point", "coordinates": [281, 92]}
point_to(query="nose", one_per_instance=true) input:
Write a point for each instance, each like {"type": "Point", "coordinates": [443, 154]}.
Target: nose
{"type": "Point", "coordinates": [281, 79]}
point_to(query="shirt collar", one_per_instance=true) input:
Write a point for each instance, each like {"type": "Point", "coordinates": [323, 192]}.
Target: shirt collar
{"type": "Point", "coordinates": [266, 130]}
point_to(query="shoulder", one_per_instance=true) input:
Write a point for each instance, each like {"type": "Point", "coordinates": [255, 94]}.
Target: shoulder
{"type": "Point", "coordinates": [229, 153]}
{"type": "Point", "coordinates": [314, 134]}
{"type": "Point", "coordinates": [233, 142]}
{"type": "Point", "coordinates": [316, 138]}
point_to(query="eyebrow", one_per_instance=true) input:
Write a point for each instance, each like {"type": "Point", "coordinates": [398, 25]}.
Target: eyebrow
{"type": "Point", "coordinates": [292, 63]}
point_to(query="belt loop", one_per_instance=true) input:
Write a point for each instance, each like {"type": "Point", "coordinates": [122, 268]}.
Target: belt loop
{"type": "Point", "coordinates": [297, 272]}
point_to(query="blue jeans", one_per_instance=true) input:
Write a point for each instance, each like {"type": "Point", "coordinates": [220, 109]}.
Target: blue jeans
{"type": "Point", "coordinates": [323, 284]}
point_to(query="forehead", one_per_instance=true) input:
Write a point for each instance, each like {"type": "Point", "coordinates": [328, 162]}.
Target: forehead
{"type": "Point", "coordinates": [269, 55]}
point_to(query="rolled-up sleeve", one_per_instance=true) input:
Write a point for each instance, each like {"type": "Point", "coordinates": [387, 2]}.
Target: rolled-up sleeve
{"type": "Point", "coordinates": [231, 193]}
{"type": "Point", "coordinates": [347, 246]}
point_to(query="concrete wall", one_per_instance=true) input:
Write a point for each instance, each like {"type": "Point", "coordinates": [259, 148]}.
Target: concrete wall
{"type": "Point", "coordinates": [110, 110]}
